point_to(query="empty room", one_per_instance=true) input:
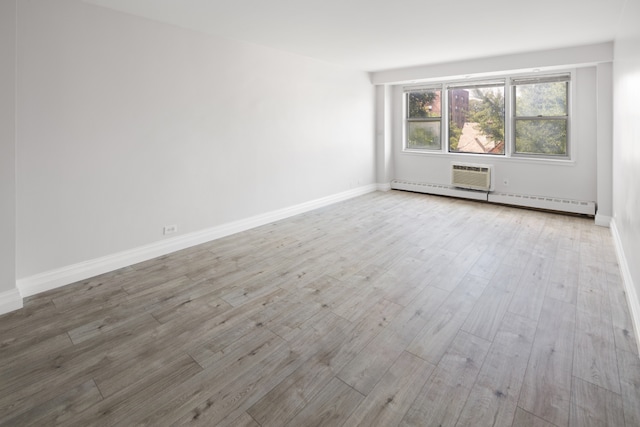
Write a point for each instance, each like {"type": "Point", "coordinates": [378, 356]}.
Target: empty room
{"type": "Point", "coordinates": [356, 213]}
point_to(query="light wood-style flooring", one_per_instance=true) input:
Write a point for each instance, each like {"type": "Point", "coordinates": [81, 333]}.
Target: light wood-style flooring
{"type": "Point", "coordinates": [391, 309]}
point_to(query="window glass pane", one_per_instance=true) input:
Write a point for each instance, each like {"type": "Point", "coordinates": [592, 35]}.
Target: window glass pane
{"type": "Point", "coordinates": [541, 136]}
{"type": "Point", "coordinates": [423, 135]}
{"type": "Point", "coordinates": [424, 104]}
{"type": "Point", "coordinates": [476, 120]}
{"type": "Point", "coordinates": [541, 99]}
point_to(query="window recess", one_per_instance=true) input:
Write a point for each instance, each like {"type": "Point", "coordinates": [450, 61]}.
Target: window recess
{"type": "Point", "coordinates": [541, 116]}
{"type": "Point", "coordinates": [423, 118]}
{"type": "Point", "coordinates": [476, 117]}
{"type": "Point", "coordinates": [526, 116]}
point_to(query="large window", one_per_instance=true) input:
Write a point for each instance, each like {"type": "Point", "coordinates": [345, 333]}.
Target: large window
{"type": "Point", "coordinates": [541, 116]}
{"type": "Point", "coordinates": [424, 116]}
{"type": "Point", "coordinates": [470, 117]}
{"type": "Point", "coordinates": [476, 118]}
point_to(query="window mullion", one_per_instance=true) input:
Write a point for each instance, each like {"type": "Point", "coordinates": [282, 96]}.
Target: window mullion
{"type": "Point", "coordinates": [484, 119]}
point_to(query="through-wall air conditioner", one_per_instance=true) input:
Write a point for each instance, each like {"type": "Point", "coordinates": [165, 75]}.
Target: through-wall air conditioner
{"type": "Point", "coordinates": [471, 176]}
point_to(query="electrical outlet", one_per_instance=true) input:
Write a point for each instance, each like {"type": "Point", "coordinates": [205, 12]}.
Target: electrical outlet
{"type": "Point", "coordinates": [170, 229]}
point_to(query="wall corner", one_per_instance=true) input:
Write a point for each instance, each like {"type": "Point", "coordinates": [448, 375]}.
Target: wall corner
{"type": "Point", "coordinates": [10, 301]}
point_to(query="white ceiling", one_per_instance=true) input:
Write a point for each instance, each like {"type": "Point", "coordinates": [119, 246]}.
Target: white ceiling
{"type": "Point", "coordinates": [374, 35]}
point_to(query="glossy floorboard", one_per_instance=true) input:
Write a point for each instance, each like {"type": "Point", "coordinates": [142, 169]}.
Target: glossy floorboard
{"type": "Point", "coordinates": [390, 309]}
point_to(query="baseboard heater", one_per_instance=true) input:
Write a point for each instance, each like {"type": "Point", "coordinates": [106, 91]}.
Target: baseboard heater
{"type": "Point", "coordinates": [530, 201]}
{"type": "Point", "coordinates": [541, 202]}
{"type": "Point", "coordinates": [441, 190]}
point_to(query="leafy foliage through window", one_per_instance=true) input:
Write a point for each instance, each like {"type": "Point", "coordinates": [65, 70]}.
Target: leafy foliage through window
{"type": "Point", "coordinates": [424, 116]}
{"type": "Point", "coordinates": [541, 116]}
{"type": "Point", "coordinates": [475, 113]}
{"type": "Point", "coordinates": [476, 119]}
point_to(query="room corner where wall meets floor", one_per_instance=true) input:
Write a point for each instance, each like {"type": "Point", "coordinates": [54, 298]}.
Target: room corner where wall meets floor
{"type": "Point", "coordinates": [69, 274]}
{"type": "Point", "coordinates": [632, 296]}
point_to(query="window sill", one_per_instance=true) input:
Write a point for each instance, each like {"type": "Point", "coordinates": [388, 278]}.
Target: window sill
{"type": "Point", "coordinates": [490, 157]}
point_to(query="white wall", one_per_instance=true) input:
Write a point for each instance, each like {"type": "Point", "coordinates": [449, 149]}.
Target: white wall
{"type": "Point", "coordinates": [626, 151]}
{"type": "Point", "coordinates": [384, 135]}
{"type": "Point", "coordinates": [577, 56]}
{"type": "Point", "coordinates": [604, 154]}
{"type": "Point", "coordinates": [9, 298]}
{"type": "Point", "coordinates": [126, 125]}
{"type": "Point", "coordinates": [570, 180]}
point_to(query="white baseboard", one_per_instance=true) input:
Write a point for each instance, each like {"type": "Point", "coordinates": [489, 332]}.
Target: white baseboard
{"type": "Point", "coordinates": [384, 186]}
{"type": "Point", "coordinates": [10, 300]}
{"type": "Point", "coordinates": [627, 280]}
{"type": "Point", "coordinates": [83, 270]}
{"type": "Point", "coordinates": [603, 220]}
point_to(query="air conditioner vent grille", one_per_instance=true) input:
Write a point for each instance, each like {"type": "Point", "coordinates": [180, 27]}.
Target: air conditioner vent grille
{"type": "Point", "coordinates": [475, 177]}
{"type": "Point", "coordinates": [471, 168]}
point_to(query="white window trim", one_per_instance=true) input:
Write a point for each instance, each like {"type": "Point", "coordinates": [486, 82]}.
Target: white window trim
{"type": "Point", "coordinates": [509, 155]}
{"type": "Point", "coordinates": [405, 119]}
{"type": "Point", "coordinates": [512, 119]}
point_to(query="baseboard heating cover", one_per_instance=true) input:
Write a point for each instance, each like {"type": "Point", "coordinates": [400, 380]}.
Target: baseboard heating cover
{"type": "Point", "coordinates": [538, 202]}
{"type": "Point", "coordinates": [542, 202]}
{"type": "Point", "coordinates": [438, 189]}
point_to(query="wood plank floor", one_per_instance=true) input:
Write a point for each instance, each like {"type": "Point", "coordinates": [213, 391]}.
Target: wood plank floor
{"type": "Point", "coordinates": [391, 309]}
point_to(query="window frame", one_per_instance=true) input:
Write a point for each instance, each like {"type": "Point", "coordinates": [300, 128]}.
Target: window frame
{"type": "Point", "coordinates": [550, 78]}
{"type": "Point", "coordinates": [407, 119]}
{"type": "Point", "coordinates": [477, 84]}
{"type": "Point", "coordinates": [509, 121]}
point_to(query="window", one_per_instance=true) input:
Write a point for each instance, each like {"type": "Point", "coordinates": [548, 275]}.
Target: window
{"type": "Point", "coordinates": [541, 116]}
{"type": "Point", "coordinates": [476, 118]}
{"type": "Point", "coordinates": [424, 116]}
{"type": "Point", "coordinates": [470, 117]}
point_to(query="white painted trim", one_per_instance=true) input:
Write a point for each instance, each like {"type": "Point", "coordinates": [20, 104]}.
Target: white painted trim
{"type": "Point", "coordinates": [384, 186]}
{"type": "Point", "coordinates": [544, 202]}
{"type": "Point", "coordinates": [550, 59]}
{"type": "Point", "coordinates": [10, 301]}
{"type": "Point", "coordinates": [627, 281]}
{"type": "Point", "coordinates": [603, 220]}
{"type": "Point", "coordinates": [83, 270]}
{"type": "Point", "coordinates": [438, 189]}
